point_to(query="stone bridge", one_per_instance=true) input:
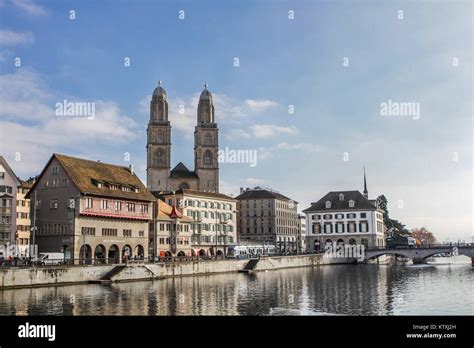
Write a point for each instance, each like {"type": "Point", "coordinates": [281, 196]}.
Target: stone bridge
{"type": "Point", "coordinates": [418, 254]}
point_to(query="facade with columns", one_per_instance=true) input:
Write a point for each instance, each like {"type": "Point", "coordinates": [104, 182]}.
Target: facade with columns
{"type": "Point", "coordinates": [160, 176]}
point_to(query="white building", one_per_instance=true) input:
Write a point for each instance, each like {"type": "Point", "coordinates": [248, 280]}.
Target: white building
{"type": "Point", "coordinates": [215, 219]}
{"type": "Point", "coordinates": [302, 232]}
{"type": "Point", "coordinates": [344, 217]}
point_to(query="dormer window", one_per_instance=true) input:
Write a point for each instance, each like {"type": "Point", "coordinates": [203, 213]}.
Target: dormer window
{"type": "Point", "coordinates": [351, 204]}
{"type": "Point", "coordinates": [341, 197]}
{"type": "Point", "coordinates": [328, 204]}
{"type": "Point", "coordinates": [136, 190]}
{"type": "Point", "coordinates": [99, 185]}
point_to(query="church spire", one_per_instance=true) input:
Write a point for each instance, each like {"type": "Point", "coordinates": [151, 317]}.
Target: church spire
{"type": "Point", "coordinates": [366, 193]}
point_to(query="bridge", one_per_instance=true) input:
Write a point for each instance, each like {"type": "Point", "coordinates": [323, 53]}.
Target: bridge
{"type": "Point", "coordinates": [420, 253]}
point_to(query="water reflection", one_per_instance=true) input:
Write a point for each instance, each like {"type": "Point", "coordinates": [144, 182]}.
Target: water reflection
{"type": "Point", "coordinates": [338, 290]}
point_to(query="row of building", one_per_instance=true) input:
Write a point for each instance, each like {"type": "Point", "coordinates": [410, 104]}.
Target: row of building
{"type": "Point", "coordinates": [97, 211]}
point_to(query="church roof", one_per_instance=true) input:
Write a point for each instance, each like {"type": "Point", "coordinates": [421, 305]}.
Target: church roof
{"type": "Point", "coordinates": [181, 171]}
{"type": "Point", "coordinates": [205, 95]}
{"type": "Point", "coordinates": [159, 91]}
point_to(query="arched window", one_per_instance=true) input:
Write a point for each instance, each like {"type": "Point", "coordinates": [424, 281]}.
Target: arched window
{"type": "Point", "coordinates": [159, 158]}
{"type": "Point", "coordinates": [208, 139]}
{"type": "Point", "coordinates": [208, 158]}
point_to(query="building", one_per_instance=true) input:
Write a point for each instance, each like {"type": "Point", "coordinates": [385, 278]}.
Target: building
{"type": "Point", "coordinates": [205, 176]}
{"type": "Point", "coordinates": [8, 206]}
{"type": "Point", "coordinates": [344, 217]}
{"type": "Point", "coordinates": [90, 210]}
{"type": "Point", "coordinates": [302, 233]}
{"type": "Point", "coordinates": [172, 233]}
{"type": "Point", "coordinates": [266, 216]}
{"type": "Point", "coordinates": [23, 221]}
{"type": "Point", "coordinates": [214, 216]}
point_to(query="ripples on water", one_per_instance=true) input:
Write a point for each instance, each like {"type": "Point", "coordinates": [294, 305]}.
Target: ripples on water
{"type": "Point", "coordinates": [326, 290]}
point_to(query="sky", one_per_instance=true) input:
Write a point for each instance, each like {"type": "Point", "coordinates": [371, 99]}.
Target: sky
{"type": "Point", "coordinates": [300, 82]}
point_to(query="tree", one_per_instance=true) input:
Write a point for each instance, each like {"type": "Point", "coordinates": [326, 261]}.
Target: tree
{"type": "Point", "coordinates": [423, 235]}
{"type": "Point", "coordinates": [396, 226]}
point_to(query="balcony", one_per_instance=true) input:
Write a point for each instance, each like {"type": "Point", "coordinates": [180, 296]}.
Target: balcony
{"type": "Point", "coordinates": [112, 212]}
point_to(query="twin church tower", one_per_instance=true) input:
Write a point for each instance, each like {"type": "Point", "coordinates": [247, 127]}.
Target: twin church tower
{"type": "Point", "coordinates": [160, 176]}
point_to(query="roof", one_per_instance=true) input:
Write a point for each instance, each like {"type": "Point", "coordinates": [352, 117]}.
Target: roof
{"type": "Point", "coordinates": [182, 172]}
{"type": "Point", "coordinates": [259, 193]}
{"type": "Point", "coordinates": [360, 202]}
{"type": "Point", "coordinates": [165, 212]}
{"type": "Point", "coordinates": [159, 92]}
{"type": "Point", "coordinates": [195, 193]}
{"type": "Point", "coordinates": [206, 95]}
{"type": "Point", "coordinates": [5, 164]}
{"type": "Point", "coordinates": [85, 175]}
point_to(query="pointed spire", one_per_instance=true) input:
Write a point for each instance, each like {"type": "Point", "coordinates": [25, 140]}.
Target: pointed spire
{"type": "Point", "coordinates": [366, 193]}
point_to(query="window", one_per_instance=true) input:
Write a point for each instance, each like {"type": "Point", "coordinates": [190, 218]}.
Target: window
{"type": "Point", "coordinates": [339, 216]}
{"type": "Point", "coordinates": [103, 204]}
{"type": "Point", "coordinates": [339, 227]}
{"type": "Point", "coordinates": [351, 227]}
{"type": "Point", "coordinates": [111, 232]}
{"type": "Point", "coordinates": [89, 202]}
{"type": "Point", "coordinates": [208, 158]}
{"type": "Point", "coordinates": [55, 170]}
{"type": "Point", "coordinates": [316, 228]}
{"type": "Point", "coordinates": [316, 217]}
{"type": "Point", "coordinates": [208, 139]}
{"type": "Point", "coordinates": [113, 187]}
{"type": "Point", "coordinates": [118, 206]}
{"type": "Point", "coordinates": [327, 216]}
{"type": "Point", "coordinates": [131, 207]}
{"type": "Point", "coordinates": [341, 197]}
{"type": "Point", "coordinates": [88, 231]}
{"type": "Point", "coordinates": [54, 203]}
{"type": "Point", "coordinates": [351, 216]}
{"type": "Point", "coordinates": [2, 175]}
{"type": "Point", "coordinates": [328, 204]}
{"type": "Point", "coordinates": [364, 227]}
{"type": "Point", "coordinates": [328, 228]}
{"type": "Point", "coordinates": [351, 203]}
{"type": "Point", "coordinates": [144, 208]}
{"type": "Point", "coordinates": [363, 215]}
{"type": "Point", "coordinates": [127, 233]}
{"type": "Point", "coordinates": [64, 182]}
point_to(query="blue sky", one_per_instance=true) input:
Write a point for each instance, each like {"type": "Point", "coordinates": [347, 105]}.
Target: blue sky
{"type": "Point", "coordinates": [423, 166]}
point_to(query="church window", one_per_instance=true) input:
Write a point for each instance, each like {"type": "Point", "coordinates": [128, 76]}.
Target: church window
{"type": "Point", "coordinates": [208, 158]}
{"type": "Point", "coordinates": [159, 158]}
{"type": "Point", "coordinates": [208, 139]}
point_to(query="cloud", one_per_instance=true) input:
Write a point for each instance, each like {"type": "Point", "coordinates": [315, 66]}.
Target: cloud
{"type": "Point", "coordinates": [30, 7]}
{"type": "Point", "coordinates": [182, 112]}
{"type": "Point", "coordinates": [11, 38]}
{"type": "Point", "coordinates": [255, 181]}
{"type": "Point", "coordinates": [268, 130]}
{"type": "Point", "coordinates": [300, 147]}
{"type": "Point", "coordinates": [30, 128]}
{"type": "Point", "coordinates": [260, 105]}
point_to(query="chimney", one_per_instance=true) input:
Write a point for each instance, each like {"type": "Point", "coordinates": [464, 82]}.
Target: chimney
{"type": "Point", "coordinates": [131, 168]}
{"type": "Point", "coordinates": [241, 190]}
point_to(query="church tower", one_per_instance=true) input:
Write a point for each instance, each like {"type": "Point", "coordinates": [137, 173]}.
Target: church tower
{"type": "Point", "coordinates": [206, 144]}
{"type": "Point", "coordinates": [158, 142]}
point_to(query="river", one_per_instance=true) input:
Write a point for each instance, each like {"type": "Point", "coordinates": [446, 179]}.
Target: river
{"type": "Point", "coordinates": [444, 289]}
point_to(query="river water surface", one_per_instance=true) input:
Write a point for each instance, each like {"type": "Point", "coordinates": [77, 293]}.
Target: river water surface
{"type": "Point", "coordinates": [445, 289]}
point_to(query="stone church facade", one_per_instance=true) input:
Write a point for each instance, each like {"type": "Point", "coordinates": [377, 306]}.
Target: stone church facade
{"type": "Point", "coordinates": [160, 176]}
